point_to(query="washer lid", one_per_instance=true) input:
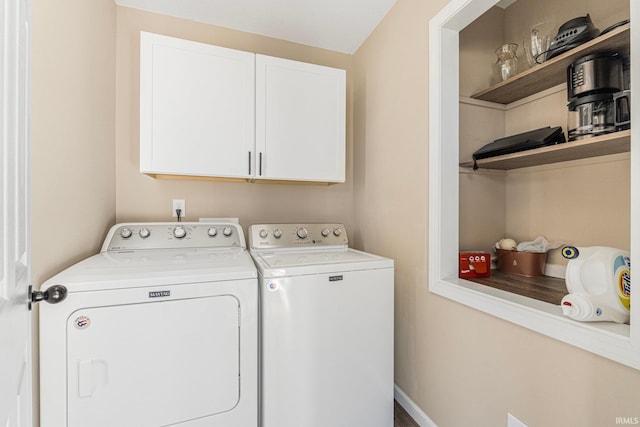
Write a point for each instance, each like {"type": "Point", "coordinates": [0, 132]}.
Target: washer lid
{"type": "Point", "coordinates": [117, 270]}
{"type": "Point", "coordinates": [297, 262]}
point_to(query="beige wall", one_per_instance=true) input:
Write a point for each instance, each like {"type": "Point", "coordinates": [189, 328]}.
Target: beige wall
{"type": "Point", "coordinates": [483, 204]}
{"type": "Point", "coordinates": [390, 166]}
{"type": "Point", "coordinates": [462, 367]}
{"type": "Point", "coordinates": [583, 203]}
{"type": "Point", "coordinates": [482, 193]}
{"type": "Point", "coordinates": [141, 198]}
{"type": "Point", "coordinates": [478, 43]}
{"type": "Point", "coordinates": [73, 133]}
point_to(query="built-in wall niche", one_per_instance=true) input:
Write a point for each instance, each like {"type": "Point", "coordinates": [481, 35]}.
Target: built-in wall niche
{"type": "Point", "coordinates": [560, 200]}
{"type": "Point", "coordinates": [471, 210]}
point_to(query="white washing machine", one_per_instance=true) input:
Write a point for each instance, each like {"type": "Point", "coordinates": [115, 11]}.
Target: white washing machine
{"type": "Point", "coordinates": [326, 328]}
{"type": "Point", "coordinates": [159, 329]}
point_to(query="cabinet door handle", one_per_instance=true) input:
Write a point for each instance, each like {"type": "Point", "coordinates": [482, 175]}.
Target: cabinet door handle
{"type": "Point", "coordinates": [260, 165]}
{"type": "Point", "coordinates": [249, 162]}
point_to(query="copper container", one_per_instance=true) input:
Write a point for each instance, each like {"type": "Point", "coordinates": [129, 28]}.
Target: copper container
{"type": "Point", "coordinates": [529, 264]}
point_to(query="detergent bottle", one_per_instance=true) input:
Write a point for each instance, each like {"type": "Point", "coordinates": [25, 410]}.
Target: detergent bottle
{"type": "Point", "coordinates": [599, 283]}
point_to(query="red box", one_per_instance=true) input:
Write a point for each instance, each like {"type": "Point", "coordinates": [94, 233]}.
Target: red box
{"type": "Point", "coordinates": [474, 264]}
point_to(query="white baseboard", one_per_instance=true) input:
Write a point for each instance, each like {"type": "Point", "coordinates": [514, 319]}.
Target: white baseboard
{"type": "Point", "coordinates": [412, 409]}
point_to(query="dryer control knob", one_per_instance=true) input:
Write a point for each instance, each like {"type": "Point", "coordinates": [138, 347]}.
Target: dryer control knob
{"type": "Point", "coordinates": [179, 232]}
{"type": "Point", "coordinates": [302, 233]}
{"type": "Point", "coordinates": [125, 233]}
{"type": "Point", "coordinates": [325, 232]}
{"type": "Point", "coordinates": [263, 234]}
{"type": "Point", "coordinates": [227, 231]}
{"type": "Point", "coordinates": [277, 233]}
{"type": "Point", "coordinates": [212, 232]}
{"type": "Point", "coordinates": [144, 233]}
{"type": "Point", "coordinates": [337, 232]}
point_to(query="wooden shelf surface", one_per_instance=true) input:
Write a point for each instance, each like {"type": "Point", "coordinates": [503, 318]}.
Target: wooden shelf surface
{"type": "Point", "coordinates": [542, 288]}
{"type": "Point", "coordinates": [611, 143]}
{"type": "Point", "coordinates": [554, 71]}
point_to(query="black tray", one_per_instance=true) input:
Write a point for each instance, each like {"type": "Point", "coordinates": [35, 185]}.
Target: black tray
{"type": "Point", "coordinates": [521, 142]}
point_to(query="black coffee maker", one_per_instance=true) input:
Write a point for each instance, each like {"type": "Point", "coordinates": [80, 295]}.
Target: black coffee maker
{"type": "Point", "coordinates": [594, 83]}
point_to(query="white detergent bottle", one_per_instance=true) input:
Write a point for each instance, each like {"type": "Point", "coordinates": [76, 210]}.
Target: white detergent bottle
{"type": "Point", "coordinates": [599, 284]}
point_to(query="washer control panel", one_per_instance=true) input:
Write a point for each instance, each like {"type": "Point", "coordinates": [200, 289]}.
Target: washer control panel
{"type": "Point", "coordinates": [273, 236]}
{"type": "Point", "coordinates": [173, 235]}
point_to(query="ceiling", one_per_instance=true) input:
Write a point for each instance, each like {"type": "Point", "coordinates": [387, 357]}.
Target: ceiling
{"type": "Point", "coordinates": [338, 25]}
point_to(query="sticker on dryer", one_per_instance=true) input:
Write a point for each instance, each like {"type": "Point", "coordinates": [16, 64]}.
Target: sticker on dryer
{"type": "Point", "coordinates": [272, 286]}
{"type": "Point", "coordinates": [82, 322]}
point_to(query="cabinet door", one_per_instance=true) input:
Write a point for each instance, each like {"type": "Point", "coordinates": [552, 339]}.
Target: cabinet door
{"type": "Point", "coordinates": [196, 108]}
{"type": "Point", "coordinates": [300, 121]}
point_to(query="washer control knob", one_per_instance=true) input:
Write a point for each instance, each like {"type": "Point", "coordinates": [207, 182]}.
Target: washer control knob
{"type": "Point", "coordinates": [337, 232]}
{"type": "Point", "coordinates": [277, 233]}
{"type": "Point", "coordinates": [325, 232]}
{"type": "Point", "coordinates": [263, 234]}
{"type": "Point", "coordinates": [144, 233]}
{"type": "Point", "coordinates": [212, 232]}
{"type": "Point", "coordinates": [179, 232]}
{"type": "Point", "coordinates": [227, 231]}
{"type": "Point", "coordinates": [302, 233]}
{"type": "Point", "coordinates": [125, 233]}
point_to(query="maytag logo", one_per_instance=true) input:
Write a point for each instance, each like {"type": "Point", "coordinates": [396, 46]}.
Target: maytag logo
{"type": "Point", "coordinates": [335, 278]}
{"type": "Point", "coordinates": [159, 294]}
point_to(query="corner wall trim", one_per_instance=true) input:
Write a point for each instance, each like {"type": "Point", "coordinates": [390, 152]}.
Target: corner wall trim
{"type": "Point", "coordinates": [412, 409]}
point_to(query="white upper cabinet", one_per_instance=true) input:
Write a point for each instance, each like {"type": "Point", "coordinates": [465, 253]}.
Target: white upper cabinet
{"type": "Point", "coordinates": [300, 121]}
{"type": "Point", "coordinates": [217, 112]}
{"type": "Point", "coordinates": [196, 108]}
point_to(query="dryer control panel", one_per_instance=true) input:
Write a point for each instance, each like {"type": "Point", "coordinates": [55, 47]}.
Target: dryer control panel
{"type": "Point", "coordinates": [287, 236]}
{"type": "Point", "coordinates": [173, 235]}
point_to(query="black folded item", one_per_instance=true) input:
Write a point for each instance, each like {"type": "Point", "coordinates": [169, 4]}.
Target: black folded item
{"type": "Point", "coordinates": [520, 142]}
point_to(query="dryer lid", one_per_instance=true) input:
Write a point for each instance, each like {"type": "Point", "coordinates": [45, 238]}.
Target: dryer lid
{"type": "Point", "coordinates": [116, 270]}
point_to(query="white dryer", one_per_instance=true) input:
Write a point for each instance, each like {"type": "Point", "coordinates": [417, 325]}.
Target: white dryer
{"type": "Point", "coordinates": [326, 328]}
{"type": "Point", "coordinates": [158, 329]}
